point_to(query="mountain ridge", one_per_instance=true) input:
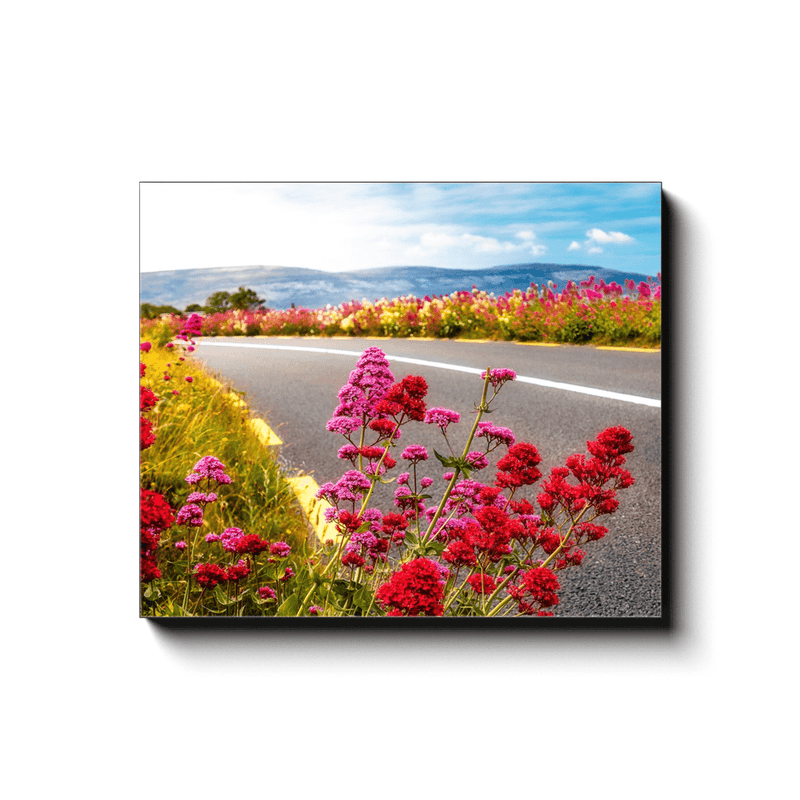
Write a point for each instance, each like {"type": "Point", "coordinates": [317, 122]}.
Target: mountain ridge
{"type": "Point", "coordinates": [282, 286]}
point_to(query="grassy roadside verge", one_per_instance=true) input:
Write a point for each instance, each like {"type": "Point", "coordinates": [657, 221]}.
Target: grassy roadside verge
{"type": "Point", "coordinates": [192, 419]}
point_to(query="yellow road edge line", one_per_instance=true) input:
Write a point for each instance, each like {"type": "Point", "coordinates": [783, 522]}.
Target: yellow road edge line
{"type": "Point", "coordinates": [305, 489]}
{"type": "Point", "coordinates": [630, 349]}
{"type": "Point", "coordinates": [540, 344]}
{"type": "Point", "coordinates": [267, 436]}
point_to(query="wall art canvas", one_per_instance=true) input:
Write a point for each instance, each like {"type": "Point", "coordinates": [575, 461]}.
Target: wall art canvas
{"type": "Point", "coordinates": [429, 401]}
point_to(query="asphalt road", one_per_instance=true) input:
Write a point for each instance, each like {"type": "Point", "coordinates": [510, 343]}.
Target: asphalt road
{"type": "Point", "coordinates": [296, 392]}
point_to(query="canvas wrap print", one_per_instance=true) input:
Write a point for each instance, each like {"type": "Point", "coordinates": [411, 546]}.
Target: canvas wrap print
{"type": "Point", "coordinates": [427, 400]}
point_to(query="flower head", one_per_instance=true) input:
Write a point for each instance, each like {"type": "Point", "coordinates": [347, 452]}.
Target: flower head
{"type": "Point", "coordinates": [266, 593]}
{"type": "Point", "coordinates": [482, 583]}
{"type": "Point", "coordinates": [209, 575]}
{"type": "Point", "coordinates": [497, 377]}
{"type": "Point", "coordinates": [146, 435]}
{"type": "Point", "coordinates": [415, 453]}
{"type": "Point", "coordinates": [147, 399]}
{"type": "Point", "coordinates": [191, 515]}
{"type": "Point", "coordinates": [280, 549]}
{"type": "Point", "coordinates": [365, 387]}
{"type": "Point", "coordinates": [441, 417]}
{"type": "Point", "coordinates": [208, 467]}
{"type": "Point", "coordinates": [519, 466]}
{"type": "Point", "coordinates": [416, 589]}
{"type": "Point", "coordinates": [495, 435]}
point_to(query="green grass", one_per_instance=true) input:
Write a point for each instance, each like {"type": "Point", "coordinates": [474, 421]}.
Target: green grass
{"type": "Point", "coordinates": [202, 420]}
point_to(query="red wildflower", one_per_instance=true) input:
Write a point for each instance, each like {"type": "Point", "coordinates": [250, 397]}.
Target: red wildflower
{"type": "Point", "coordinates": [494, 533]}
{"type": "Point", "coordinates": [518, 466]}
{"type": "Point", "coordinates": [209, 575]}
{"type": "Point", "coordinates": [394, 525]}
{"type": "Point", "coordinates": [148, 545]}
{"type": "Point", "coordinates": [521, 507]}
{"type": "Point", "coordinates": [237, 571]}
{"type": "Point", "coordinates": [385, 428]}
{"type": "Point", "coordinates": [146, 435]}
{"type": "Point", "coordinates": [459, 554]}
{"type": "Point", "coordinates": [251, 543]}
{"type": "Point", "coordinates": [482, 583]}
{"type": "Point", "coordinates": [416, 589]}
{"type": "Point", "coordinates": [352, 559]}
{"type": "Point", "coordinates": [146, 399]}
{"type": "Point", "coordinates": [591, 531]}
{"type": "Point", "coordinates": [350, 522]}
{"type": "Point", "coordinates": [542, 585]}
{"type": "Point", "coordinates": [154, 511]}
{"type": "Point", "coordinates": [404, 399]}
{"type": "Point", "coordinates": [612, 444]}
{"type": "Point", "coordinates": [549, 540]}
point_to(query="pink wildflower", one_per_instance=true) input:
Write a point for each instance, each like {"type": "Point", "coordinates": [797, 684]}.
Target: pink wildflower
{"type": "Point", "coordinates": [441, 417]}
{"type": "Point", "coordinates": [415, 453]}
{"type": "Point", "coordinates": [497, 377]}
{"type": "Point", "coordinates": [266, 593]}
{"type": "Point", "coordinates": [191, 515]}
{"type": "Point", "coordinates": [280, 549]}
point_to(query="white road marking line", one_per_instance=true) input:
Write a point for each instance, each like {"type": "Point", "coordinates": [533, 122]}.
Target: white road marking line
{"type": "Point", "coordinates": [568, 387]}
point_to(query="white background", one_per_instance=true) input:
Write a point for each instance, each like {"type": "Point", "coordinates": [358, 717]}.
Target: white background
{"type": "Point", "coordinates": [100, 96]}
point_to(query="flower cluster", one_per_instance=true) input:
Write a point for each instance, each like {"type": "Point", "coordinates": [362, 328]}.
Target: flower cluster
{"type": "Point", "coordinates": [209, 468]}
{"type": "Point", "coordinates": [155, 516]}
{"type": "Point", "coordinates": [591, 311]}
{"type": "Point", "coordinates": [486, 529]}
{"type": "Point", "coordinates": [250, 558]}
{"type": "Point", "coordinates": [147, 401]}
{"type": "Point", "coordinates": [416, 589]}
{"type": "Point", "coordinates": [208, 575]}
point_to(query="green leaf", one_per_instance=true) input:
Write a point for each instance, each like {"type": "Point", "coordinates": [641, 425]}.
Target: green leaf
{"type": "Point", "coordinates": [435, 548]}
{"type": "Point", "coordinates": [290, 606]}
{"type": "Point", "coordinates": [340, 586]}
{"type": "Point", "coordinates": [222, 598]}
{"type": "Point", "coordinates": [363, 598]}
{"type": "Point", "coordinates": [447, 461]}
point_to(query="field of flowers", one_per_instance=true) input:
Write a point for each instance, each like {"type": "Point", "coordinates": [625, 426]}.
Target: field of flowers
{"type": "Point", "coordinates": [592, 312]}
{"type": "Point", "coordinates": [220, 536]}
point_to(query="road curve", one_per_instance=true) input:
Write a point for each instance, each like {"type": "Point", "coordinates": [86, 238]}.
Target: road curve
{"type": "Point", "coordinates": [295, 390]}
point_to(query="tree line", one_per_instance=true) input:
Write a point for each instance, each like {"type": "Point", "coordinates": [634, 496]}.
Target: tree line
{"type": "Point", "coordinates": [243, 299]}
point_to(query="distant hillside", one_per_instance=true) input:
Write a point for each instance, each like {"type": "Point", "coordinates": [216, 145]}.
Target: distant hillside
{"type": "Point", "coordinates": [310, 288]}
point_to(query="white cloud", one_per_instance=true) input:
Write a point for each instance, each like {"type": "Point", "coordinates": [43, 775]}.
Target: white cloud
{"type": "Point", "coordinates": [433, 242]}
{"type": "Point", "coordinates": [574, 246]}
{"type": "Point", "coordinates": [595, 250]}
{"type": "Point", "coordinates": [597, 235]}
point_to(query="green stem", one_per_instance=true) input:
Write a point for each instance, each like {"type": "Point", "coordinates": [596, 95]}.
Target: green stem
{"type": "Point", "coordinates": [481, 408]}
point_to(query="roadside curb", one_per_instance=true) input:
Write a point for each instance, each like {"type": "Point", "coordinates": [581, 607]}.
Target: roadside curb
{"type": "Point", "coordinates": [305, 488]}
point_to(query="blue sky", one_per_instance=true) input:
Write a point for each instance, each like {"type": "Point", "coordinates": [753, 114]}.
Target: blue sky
{"type": "Point", "coordinates": [340, 226]}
